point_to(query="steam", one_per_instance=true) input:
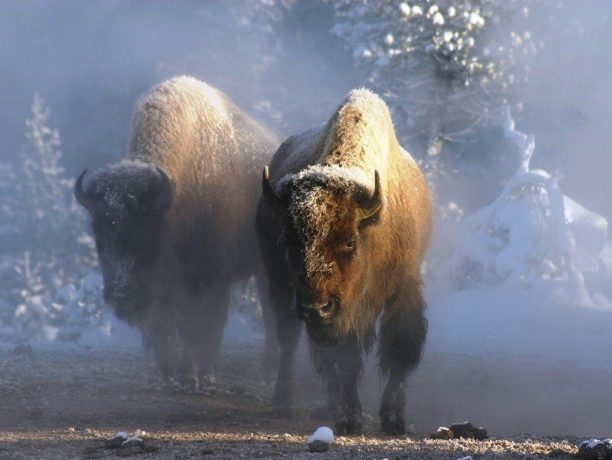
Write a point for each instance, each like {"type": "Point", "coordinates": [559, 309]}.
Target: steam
{"type": "Point", "coordinates": [91, 60]}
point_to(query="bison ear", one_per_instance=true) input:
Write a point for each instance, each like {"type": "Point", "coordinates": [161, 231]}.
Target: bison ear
{"type": "Point", "coordinates": [270, 197]}
{"type": "Point", "coordinates": [162, 195]}
{"type": "Point", "coordinates": [369, 206]}
{"type": "Point", "coordinates": [80, 194]}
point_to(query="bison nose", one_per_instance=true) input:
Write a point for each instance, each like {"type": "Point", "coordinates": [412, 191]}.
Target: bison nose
{"type": "Point", "coordinates": [317, 311]}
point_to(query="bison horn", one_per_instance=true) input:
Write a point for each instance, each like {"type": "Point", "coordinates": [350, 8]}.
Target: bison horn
{"type": "Point", "coordinates": [80, 194]}
{"type": "Point", "coordinates": [373, 204]}
{"type": "Point", "coordinates": [165, 193]}
{"type": "Point", "coordinates": [277, 203]}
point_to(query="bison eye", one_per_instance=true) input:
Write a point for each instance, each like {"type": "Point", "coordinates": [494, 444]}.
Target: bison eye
{"type": "Point", "coordinates": [348, 245]}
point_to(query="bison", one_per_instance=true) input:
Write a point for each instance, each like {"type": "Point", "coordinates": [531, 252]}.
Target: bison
{"type": "Point", "coordinates": [344, 223]}
{"type": "Point", "coordinates": [174, 221]}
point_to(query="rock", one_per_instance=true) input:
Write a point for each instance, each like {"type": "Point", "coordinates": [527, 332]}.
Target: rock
{"type": "Point", "coordinates": [480, 433]}
{"type": "Point", "coordinates": [321, 439]}
{"type": "Point", "coordinates": [322, 433]}
{"type": "Point", "coordinates": [443, 433]}
{"type": "Point", "coordinates": [460, 430]}
{"type": "Point", "coordinates": [318, 446]}
{"type": "Point", "coordinates": [117, 441]}
{"type": "Point", "coordinates": [132, 441]}
{"type": "Point", "coordinates": [595, 449]}
{"type": "Point", "coordinates": [468, 431]}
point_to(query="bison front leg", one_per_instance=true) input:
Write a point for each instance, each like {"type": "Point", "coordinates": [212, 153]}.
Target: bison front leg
{"type": "Point", "coordinates": [159, 335]}
{"type": "Point", "coordinates": [270, 356]}
{"type": "Point", "coordinates": [402, 335]}
{"type": "Point", "coordinates": [162, 341]}
{"type": "Point", "coordinates": [341, 367]}
{"type": "Point", "coordinates": [202, 326]}
{"type": "Point", "coordinates": [288, 328]}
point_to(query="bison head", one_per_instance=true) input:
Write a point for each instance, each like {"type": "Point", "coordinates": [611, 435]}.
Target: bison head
{"type": "Point", "coordinates": [328, 218]}
{"type": "Point", "coordinates": [127, 203]}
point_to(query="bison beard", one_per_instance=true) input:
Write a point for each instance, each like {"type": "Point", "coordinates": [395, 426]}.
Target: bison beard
{"type": "Point", "coordinates": [174, 222]}
{"type": "Point", "coordinates": [344, 224]}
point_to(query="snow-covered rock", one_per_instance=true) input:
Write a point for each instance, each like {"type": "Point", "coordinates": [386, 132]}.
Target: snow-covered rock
{"type": "Point", "coordinates": [132, 441]}
{"type": "Point", "coordinates": [595, 449]}
{"type": "Point", "coordinates": [321, 439]}
{"type": "Point", "coordinates": [532, 233]}
{"type": "Point", "coordinates": [322, 433]}
{"type": "Point", "coordinates": [117, 441]}
{"type": "Point", "coordinates": [529, 275]}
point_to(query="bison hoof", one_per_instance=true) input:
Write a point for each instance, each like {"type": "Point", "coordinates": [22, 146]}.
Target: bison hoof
{"type": "Point", "coordinates": [393, 426]}
{"type": "Point", "coordinates": [350, 426]}
{"type": "Point", "coordinates": [191, 383]}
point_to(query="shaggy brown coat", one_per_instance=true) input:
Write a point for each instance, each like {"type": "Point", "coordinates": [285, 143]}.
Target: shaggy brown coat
{"type": "Point", "coordinates": [319, 181]}
{"type": "Point", "coordinates": [212, 153]}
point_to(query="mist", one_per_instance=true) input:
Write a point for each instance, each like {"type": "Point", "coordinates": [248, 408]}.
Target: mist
{"type": "Point", "coordinates": [512, 346]}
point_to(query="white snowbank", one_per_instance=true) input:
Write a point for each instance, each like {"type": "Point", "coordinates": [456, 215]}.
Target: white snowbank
{"type": "Point", "coordinates": [528, 275]}
{"type": "Point", "coordinates": [531, 234]}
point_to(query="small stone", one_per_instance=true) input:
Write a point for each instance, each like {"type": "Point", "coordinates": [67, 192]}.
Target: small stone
{"type": "Point", "coordinates": [462, 430]}
{"type": "Point", "coordinates": [467, 431]}
{"type": "Point", "coordinates": [114, 443]}
{"type": "Point", "coordinates": [132, 441]}
{"type": "Point", "coordinates": [595, 449]}
{"type": "Point", "coordinates": [322, 433]}
{"type": "Point", "coordinates": [443, 433]}
{"type": "Point", "coordinates": [480, 434]}
{"type": "Point", "coordinates": [318, 446]}
{"type": "Point", "coordinates": [117, 441]}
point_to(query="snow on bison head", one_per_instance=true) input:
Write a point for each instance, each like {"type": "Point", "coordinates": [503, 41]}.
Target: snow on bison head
{"type": "Point", "coordinates": [127, 203]}
{"type": "Point", "coordinates": [327, 211]}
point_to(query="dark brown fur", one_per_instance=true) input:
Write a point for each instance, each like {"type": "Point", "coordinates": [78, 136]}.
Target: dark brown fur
{"type": "Point", "coordinates": [339, 270]}
{"type": "Point", "coordinates": [212, 152]}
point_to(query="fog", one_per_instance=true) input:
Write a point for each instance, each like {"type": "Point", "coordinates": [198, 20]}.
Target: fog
{"type": "Point", "coordinates": [91, 60]}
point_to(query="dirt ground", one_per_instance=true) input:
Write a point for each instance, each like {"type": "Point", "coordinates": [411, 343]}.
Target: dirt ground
{"type": "Point", "coordinates": [66, 404]}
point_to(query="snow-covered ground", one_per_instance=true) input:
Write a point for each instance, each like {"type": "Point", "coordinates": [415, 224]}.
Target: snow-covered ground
{"type": "Point", "coordinates": [528, 276]}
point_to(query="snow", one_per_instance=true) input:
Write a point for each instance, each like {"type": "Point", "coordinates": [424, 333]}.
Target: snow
{"type": "Point", "coordinates": [438, 19]}
{"type": "Point", "coordinates": [131, 440]}
{"type": "Point", "coordinates": [528, 275]}
{"type": "Point", "coordinates": [323, 434]}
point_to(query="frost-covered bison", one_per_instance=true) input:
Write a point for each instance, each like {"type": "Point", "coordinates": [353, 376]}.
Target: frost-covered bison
{"type": "Point", "coordinates": [344, 223]}
{"type": "Point", "coordinates": [174, 220]}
